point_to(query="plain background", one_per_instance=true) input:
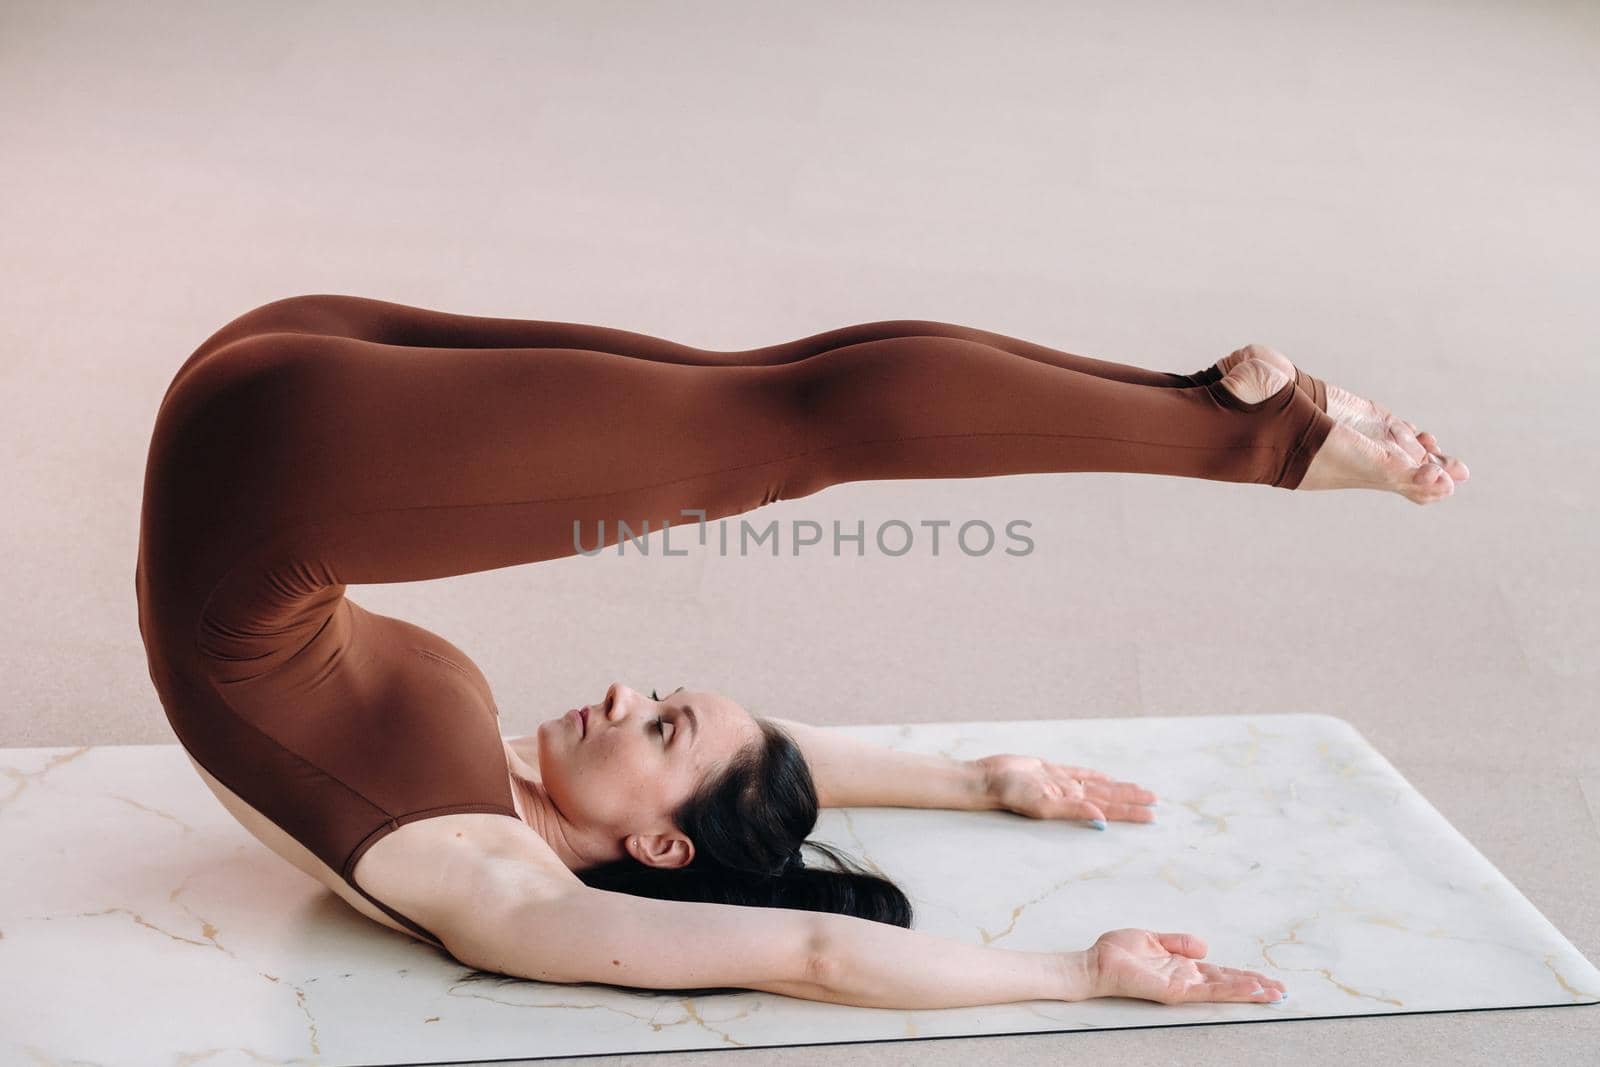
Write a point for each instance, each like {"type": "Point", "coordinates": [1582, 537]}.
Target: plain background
{"type": "Point", "coordinates": [1399, 196]}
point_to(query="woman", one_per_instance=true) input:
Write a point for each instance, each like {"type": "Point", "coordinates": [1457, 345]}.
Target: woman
{"type": "Point", "coordinates": [321, 441]}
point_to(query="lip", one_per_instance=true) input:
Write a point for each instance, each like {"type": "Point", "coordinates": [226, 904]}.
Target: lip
{"type": "Point", "coordinates": [583, 722]}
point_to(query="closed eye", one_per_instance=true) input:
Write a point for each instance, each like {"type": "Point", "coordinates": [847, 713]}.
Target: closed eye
{"type": "Point", "coordinates": [659, 723]}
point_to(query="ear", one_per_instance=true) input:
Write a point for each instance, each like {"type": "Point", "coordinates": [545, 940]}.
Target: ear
{"type": "Point", "coordinates": [671, 849]}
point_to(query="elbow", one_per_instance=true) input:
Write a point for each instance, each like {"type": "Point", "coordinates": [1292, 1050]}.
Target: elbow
{"type": "Point", "coordinates": [822, 962]}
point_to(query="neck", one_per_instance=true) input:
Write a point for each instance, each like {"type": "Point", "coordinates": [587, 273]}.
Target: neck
{"type": "Point", "coordinates": [539, 811]}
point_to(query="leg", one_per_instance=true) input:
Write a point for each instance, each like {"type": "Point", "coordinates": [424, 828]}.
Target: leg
{"type": "Point", "coordinates": [372, 463]}
{"type": "Point", "coordinates": [401, 324]}
{"type": "Point", "coordinates": [390, 323]}
{"type": "Point", "coordinates": [940, 407]}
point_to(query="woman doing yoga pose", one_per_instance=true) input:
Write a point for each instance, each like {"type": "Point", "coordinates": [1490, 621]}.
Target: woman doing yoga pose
{"type": "Point", "coordinates": [321, 441]}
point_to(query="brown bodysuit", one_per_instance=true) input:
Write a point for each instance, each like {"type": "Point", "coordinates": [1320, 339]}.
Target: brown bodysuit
{"type": "Point", "coordinates": [321, 441]}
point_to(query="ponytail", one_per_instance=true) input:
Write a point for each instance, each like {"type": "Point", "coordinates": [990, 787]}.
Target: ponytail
{"type": "Point", "coordinates": [845, 888]}
{"type": "Point", "coordinates": [748, 824]}
{"type": "Point", "coordinates": [842, 888]}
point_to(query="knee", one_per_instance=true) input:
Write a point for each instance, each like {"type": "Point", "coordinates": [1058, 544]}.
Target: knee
{"type": "Point", "coordinates": [880, 383]}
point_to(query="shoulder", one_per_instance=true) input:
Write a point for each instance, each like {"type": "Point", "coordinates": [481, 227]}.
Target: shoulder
{"type": "Point", "coordinates": [433, 870]}
{"type": "Point", "coordinates": [442, 869]}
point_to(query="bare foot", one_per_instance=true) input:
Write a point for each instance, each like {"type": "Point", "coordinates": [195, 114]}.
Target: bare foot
{"type": "Point", "coordinates": [1377, 449]}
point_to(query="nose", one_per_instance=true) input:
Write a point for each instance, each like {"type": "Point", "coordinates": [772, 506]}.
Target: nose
{"type": "Point", "coordinates": [618, 700]}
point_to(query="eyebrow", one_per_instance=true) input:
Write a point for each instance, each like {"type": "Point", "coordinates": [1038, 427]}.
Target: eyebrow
{"type": "Point", "coordinates": [694, 721]}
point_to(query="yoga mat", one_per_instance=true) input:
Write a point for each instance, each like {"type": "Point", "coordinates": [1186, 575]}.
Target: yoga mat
{"type": "Point", "coordinates": [140, 924]}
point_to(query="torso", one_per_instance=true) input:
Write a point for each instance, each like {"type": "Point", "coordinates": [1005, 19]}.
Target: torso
{"type": "Point", "coordinates": [397, 869]}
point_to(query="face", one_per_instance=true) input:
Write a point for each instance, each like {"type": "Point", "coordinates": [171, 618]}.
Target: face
{"type": "Point", "coordinates": [617, 779]}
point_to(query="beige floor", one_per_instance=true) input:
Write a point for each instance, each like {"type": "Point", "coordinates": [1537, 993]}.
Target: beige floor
{"type": "Point", "coordinates": [1400, 197]}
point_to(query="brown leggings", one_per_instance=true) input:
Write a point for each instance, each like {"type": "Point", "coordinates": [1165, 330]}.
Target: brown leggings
{"type": "Point", "coordinates": [885, 399]}
{"type": "Point", "coordinates": [321, 441]}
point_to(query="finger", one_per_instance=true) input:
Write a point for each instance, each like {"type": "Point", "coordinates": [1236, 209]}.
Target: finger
{"type": "Point", "coordinates": [1105, 792]}
{"type": "Point", "coordinates": [1122, 790]}
{"type": "Point", "coordinates": [1271, 988]}
{"type": "Point", "coordinates": [1265, 980]}
{"type": "Point", "coordinates": [1064, 808]}
{"type": "Point", "coordinates": [1128, 812]}
{"type": "Point", "coordinates": [1236, 988]}
{"type": "Point", "coordinates": [1212, 970]}
{"type": "Point", "coordinates": [1085, 773]}
{"type": "Point", "coordinates": [1250, 989]}
{"type": "Point", "coordinates": [1266, 994]}
{"type": "Point", "coordinates": [1181, 944]}
{"type": "Point", "coordinates": [1224, 988]}
{"type": "Point", "coordinates": [1272, 984]}
{"type": "Point", "coordinates": [1069, 809]}
{"type": "Point", "coordinates": [1126, 792]}
{"type": "Point", "coordinates": [1270, 993]}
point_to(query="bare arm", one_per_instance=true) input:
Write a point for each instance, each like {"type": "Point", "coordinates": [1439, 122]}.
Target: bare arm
{"type": "Point", "coordinates": [851, 773]}
{"type": "Point", "coordinates": [591, 935]}
{"type": "Point", "coordinates": [515, 909]}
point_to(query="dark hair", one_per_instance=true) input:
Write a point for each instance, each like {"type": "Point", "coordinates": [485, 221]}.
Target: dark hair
{"type": "Point", "coordinates": [747, 823]}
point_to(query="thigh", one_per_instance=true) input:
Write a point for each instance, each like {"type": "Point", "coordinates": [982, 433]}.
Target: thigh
{"type": "Point", "coordinates": [386, 322]}
{"type": "Point", "coordinates": [404, 325]}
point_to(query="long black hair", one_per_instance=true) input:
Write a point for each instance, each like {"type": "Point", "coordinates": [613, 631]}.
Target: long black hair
{"type": "Point", "coordinates": [748, 823]}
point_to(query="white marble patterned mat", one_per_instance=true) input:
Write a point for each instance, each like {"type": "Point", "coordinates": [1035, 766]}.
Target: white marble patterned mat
{"type": "Point", "coordinates": [139, 924]}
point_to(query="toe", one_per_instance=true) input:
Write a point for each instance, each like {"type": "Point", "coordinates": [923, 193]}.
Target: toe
{"type": "Point", "coordinates": [1452, 465]}
{"type": "Point", "coordinates": [1430, 482]}
{"type": "Point", "coordinates": [1400, 432]}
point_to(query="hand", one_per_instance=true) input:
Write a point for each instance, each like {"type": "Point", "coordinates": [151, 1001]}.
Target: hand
{"type": "Point", "coordinates": [1041, 790]}
{"type": "Point", "coordinates": [1163, 968]}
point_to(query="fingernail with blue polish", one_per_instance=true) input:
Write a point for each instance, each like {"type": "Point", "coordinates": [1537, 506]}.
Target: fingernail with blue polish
{"type": "Point", "coordinates": [1098, 824]}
